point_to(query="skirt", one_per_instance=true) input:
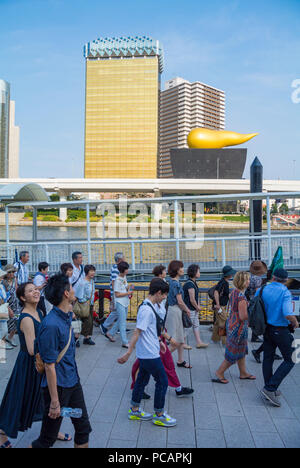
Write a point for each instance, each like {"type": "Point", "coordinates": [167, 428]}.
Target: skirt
{"type": "Point", "coordinates": [22, 402]}
{"type": "Point", "coordinates": [174, 323]}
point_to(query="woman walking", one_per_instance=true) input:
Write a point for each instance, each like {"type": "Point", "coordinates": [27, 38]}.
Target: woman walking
{"type": "Point", "coordinates": [9, 283]}
{"type": "Point", "coordinates": [85, 296]}
{"type": "Point", "coordinates": [191, 300]}
{"type": "Point", "coordinates": [22, 401]}
{"type": "Point", "coordinates": [122, 295]}
{"type": "Point", "coordinates": [220, 301]}
{"type": "Point", "coordinates": [176, 307]}
{"type": "Point", "coordinates": [237, 330]}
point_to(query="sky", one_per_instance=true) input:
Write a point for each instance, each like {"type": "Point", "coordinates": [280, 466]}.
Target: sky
{"type": "Point", "coordinates": [248, 49]}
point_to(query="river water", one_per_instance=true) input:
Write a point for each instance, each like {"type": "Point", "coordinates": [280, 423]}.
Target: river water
{"type": "Point", "coordinates": [24, 233]}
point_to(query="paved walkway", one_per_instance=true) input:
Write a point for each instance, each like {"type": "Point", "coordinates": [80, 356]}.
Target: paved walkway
{"type": "Point", "coordinates": [232, 415]}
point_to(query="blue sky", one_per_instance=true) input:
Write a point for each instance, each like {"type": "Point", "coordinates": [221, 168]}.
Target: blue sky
{"type": "Point", "coordinates": [248, 49]}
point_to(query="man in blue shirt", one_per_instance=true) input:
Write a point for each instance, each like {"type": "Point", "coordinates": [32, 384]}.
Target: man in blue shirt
{"type": "Point", "coordinates": [60, 384]}
{"type": "Point", "coordinates": [281, 321]}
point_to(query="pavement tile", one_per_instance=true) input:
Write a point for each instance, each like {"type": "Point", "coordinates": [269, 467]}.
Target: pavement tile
{"type": "Point", "coordinates": [210, 438]}
{"type": "Point", "coordinates": [229, 404]}
{"type": "Point", "coordinates": [207, 416]}
{"type": "Point", "coordinates": [259, 419]}
{"type": "Point", "coordinates": [267, 440]}
{"type": "Point", "coordinates": [289, 431]}
{"type": "Point", "coordinates": [115, 443]}
{"type": "Point", "coordinates": [237, 432]}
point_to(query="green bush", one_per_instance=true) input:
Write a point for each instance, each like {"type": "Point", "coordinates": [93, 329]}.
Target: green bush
{"type": "Point", "coordinates": [48, 218]}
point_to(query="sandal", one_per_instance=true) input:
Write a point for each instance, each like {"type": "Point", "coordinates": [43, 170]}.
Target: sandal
{"type": "Point", "coordinates": [184, 364]}
{"type": "Point", "coordinates": [249, 377]}
{"type": "Point", "coordinates": [67, 438]}
{"type": "Point", "coordinates": [221, 381]}
{"type": "Point", "coordinates": [112, 340]}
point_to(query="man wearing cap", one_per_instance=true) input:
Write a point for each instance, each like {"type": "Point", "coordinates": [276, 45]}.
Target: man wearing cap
{"type": "Point", "coordinates": [221, 298]}
{"type": "Point", "coordinates": [281, 322]}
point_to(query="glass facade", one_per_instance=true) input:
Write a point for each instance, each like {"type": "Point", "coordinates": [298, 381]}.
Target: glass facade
{"type": "Point", "coordinates": [122, 109]}
{"type": "Point", "coordinates": [4, 127]}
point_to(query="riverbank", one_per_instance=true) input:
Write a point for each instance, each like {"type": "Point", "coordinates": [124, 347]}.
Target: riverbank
{"type": "Point", "coordinates": [210, 224]}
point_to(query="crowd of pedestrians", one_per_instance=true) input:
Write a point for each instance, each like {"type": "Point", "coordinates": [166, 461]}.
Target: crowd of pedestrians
{"type": "Point", "coordinates": [50, 313]}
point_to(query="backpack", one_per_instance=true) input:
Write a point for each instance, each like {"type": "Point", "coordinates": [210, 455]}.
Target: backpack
{"type": "Point", "coordinates": [160, 323]}
{"type": "Point", "coordinates": [257, 314]}
{"type": "Point", "coordinates": [211, 292]}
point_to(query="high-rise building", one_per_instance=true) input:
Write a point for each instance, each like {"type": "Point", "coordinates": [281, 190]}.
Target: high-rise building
{"type": "Point", "coordinates": [122, 107]}
{"type": "Point", "coordinates": [184, 106]}
{"type": "Point", "coordinates": [14, 144]}
{"type": "Point", "coordinates": [9, 135]}
{"type": "Point", "coordinates": [4, 127]}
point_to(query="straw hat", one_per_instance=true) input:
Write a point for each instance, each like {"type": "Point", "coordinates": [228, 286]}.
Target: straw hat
{"type": "Point", "coordinates": [258, 268]}
{"type": "Point", "coordinates": [9, 268]}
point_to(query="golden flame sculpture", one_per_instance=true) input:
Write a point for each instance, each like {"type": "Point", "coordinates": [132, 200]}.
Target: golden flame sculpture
{"type": "Point", "coordinates": [205, 138]}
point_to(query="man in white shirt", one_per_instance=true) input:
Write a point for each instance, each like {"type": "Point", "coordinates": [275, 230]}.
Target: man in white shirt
{"type": "Point", "coordinates": [78, 272]}
{"type": "Point", "coordinates": [148, 346]}
{"type": "Point", "coordinates": [22, 273]}
{"type": "Point", "coordinates": [40, 281]}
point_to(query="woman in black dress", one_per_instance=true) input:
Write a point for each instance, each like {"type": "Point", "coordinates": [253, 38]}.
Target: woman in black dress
{"type": "Point", "coordinates": [22, 401]}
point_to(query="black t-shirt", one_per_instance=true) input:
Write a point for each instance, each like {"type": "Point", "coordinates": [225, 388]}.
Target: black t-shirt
{"type": "Point", "coordinates": [223, 290]}
{"type": "Point", "coordinates": [190, 284]}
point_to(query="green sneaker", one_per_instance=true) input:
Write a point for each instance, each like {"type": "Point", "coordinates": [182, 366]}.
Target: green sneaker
{"type": "Point", "coordinates": [164, 420]}
{"type": "Point", "coordinates": [139, 415]}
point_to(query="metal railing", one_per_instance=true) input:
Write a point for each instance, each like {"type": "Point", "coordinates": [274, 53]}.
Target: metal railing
{"type": "Point", "coordinates": [206, 316]}
{"type": "Point", "coordinates": [144, 254]}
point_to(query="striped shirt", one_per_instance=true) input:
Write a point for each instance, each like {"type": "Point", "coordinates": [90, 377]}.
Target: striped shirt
{"type": "Point", "coordinates": [22, 273]}
{"type": "Point", "coordinates": [113, 276]}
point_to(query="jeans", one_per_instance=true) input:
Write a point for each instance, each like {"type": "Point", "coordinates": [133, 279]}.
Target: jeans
{"type": "Point", "coordinates": [113, 316]}
{"type": "Point", "coordinates": [281, 337]}
{"type": "Point", "coordinates": [120, 324]}
{"type": "Point", "coordinates": [155, 368]}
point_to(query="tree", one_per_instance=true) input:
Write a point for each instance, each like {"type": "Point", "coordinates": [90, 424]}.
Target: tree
{"type": "Point", "coordinates": [284, 209]}
{"type": "Point", "coordinates": [274, 209]}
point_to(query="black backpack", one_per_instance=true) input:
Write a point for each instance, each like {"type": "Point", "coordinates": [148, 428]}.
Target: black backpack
{"type": "Point", "coordinates": [160, 323]}
{"type": "Point", "coordinates": [257, 314]}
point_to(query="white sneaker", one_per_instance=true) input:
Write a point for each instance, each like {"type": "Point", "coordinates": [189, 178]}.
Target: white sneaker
{"type": "Point", "coordinates": [164, 420]}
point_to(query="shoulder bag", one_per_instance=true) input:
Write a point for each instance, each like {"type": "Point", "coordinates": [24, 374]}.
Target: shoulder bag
{"type": "Point", "coordinates": [83, 309]}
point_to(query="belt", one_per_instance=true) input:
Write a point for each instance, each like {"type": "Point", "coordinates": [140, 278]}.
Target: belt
{"type": "Point", "coordinates": [277, 327]}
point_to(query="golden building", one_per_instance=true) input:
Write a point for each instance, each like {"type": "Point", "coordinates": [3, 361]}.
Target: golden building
{"type": "Point", "coordinates": [122, 107]}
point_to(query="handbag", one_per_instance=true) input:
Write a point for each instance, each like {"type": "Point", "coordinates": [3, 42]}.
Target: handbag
{"type": "Point", "coordinates": [83, 309]}
{"type": "Point", "coordinates": [186, 321]}
{"type": "Point", "coordinates": [39, 363]}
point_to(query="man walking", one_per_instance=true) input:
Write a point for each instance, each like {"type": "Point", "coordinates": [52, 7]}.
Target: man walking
{"type": "Point", "coordinates": [113, 316]}
{"type": "Point", "coordinates": [60, 384]}
{"type": "Point", "coordinates": [148, 347]}
{"type": "Point", "coordinates": [22, 273]}
{"type": "Point", "coordinates": [40, 280]}
{"type": "Point", "coordinates": [78, 272]}
{"type": "Point", "coordinates": [281, 323]}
